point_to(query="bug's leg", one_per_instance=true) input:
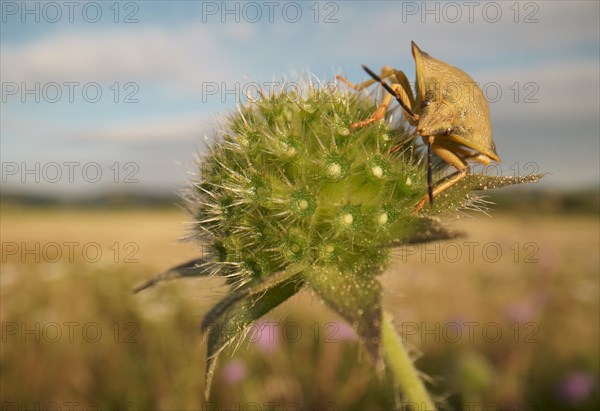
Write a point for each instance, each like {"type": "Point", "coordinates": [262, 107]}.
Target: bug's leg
{"type": "Point", "coordinates": [480, 158]}
{"type": "Point", "coordinates": [405, 93]}
{"type": "Point", "coordinates": [401, 90]}
{"type": "Point", "coordinates": [430, 169]}
{"type": "Point", "coordinates": [467, 154]}
{"type": "Point", "coordinates": [385, 103]}
{"type": "Point", "coordinates": [446, 153]}
{"type": "Point", "coordinates": [398, 92]}
{"type": "Point", "coordinates": [386, 72]}
{"type": "Point", "coordinates": [377, 115]}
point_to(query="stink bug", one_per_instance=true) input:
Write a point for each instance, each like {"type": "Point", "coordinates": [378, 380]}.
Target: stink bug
{"type": "Point", "coordinates": [450, 113]}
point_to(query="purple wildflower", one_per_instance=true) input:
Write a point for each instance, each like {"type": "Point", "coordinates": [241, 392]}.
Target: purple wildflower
{"type": "Point", "coordinates": [233, 372]}
{"type": "Point", "coordinates": [576, 387]}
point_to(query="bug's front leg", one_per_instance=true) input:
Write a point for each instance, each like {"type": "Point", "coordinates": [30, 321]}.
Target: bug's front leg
{"type": "Point", "coordinates": [386, 72]}
{"type": "Point", "coordinates": [400, 90]}
{"type": "Point", "coordinates": [447, 153]}
{"type": "Point", "coordinates": [377, 115]}
{"type": "Point", "coordinates": [385, 103]}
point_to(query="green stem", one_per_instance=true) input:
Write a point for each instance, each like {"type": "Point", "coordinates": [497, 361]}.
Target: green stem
{"type": "Point", "coordinates": [399, 362]}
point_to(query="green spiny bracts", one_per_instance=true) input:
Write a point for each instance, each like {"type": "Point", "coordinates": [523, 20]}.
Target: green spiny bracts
{"type": "Point", "coordinates": [287, 196]}
{"type": "Point", "coordinates": [288, 183]}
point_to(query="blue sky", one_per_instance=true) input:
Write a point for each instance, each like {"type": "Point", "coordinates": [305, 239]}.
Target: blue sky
{"type": "Point", "coordinates": [157, 64]}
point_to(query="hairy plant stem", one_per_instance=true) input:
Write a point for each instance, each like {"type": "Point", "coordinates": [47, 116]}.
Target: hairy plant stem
{"type": "Point", "coordinates": [397, 359]}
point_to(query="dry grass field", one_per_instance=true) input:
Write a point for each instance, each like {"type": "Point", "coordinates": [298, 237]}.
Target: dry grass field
{"type": "Point", "coordinates": [504, 318]}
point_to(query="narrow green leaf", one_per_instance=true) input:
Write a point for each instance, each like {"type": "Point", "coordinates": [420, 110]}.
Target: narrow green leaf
{"type": "Point", "coordinates": [231, 316]}
{"type": "Point", "coordinates": [197, 267]}
{"type": "Point", "coordinates": [459, 195]}
{"type": "Point", "coordinates": [256, 287]}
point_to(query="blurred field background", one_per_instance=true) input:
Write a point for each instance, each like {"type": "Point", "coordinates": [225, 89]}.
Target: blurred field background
{"type": "Point", "coordinates": [513, 330]}
{"type": "Point", "coordinates": [72, 332]}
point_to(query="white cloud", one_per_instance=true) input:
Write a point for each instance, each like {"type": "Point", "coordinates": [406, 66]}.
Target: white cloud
{"type": "Point", "coordinates": [565, 91]}
{"type": "Point", "coordinates": [179, 58]}
{"type": "Point", "coordinates": [187, 127]}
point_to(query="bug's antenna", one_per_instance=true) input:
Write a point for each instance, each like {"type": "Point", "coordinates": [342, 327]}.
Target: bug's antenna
{"type": "Point", "coordinates": [389, 90]}
{"type": "Point", "coordinates": [429, 171]}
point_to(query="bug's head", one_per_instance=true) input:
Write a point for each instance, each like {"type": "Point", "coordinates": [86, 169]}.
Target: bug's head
{"type": "Point", "coordinates": [436, 119]}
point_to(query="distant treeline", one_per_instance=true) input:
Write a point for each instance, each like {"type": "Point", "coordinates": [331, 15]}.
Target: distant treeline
{"type": "Point", "coordinates": [509, 199]}
{"type": "Point", "coordinates": [108, 200]}
{"type": "Point", "coordinates": [583, 201]}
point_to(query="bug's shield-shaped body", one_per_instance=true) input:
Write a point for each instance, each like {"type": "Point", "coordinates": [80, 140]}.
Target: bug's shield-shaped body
{"type": "Point", "coordinates": [452, 106]}
{"type": "Point", "coordinates": [449, 112]}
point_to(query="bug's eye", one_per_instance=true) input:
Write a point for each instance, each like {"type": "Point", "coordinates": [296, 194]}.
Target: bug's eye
{"type": "Point", "coordinates": [425, 103]}
{"type": "Point", "coordinates": [448, 131]}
